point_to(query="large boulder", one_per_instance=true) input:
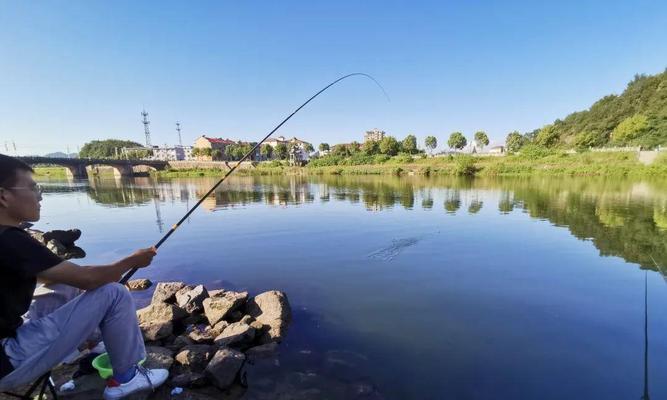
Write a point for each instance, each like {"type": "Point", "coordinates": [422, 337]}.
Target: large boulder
{"type": "Point", "coordinates": [160, 312]}
{"type": "Point", "coordinates": [165, 292]}
{"type": "Point", "coordinates": [158, 357]}
{"type": "Point", "coordinates": [195, 356]}
{"type": "Point", "coordinates": [189, 379]}
{"type": "Point", "coordinates": [156, 330]}
{"type": "Point", "coordinates": [272, 310]}
{"type": "Point", "coordinates": [218, 307]}
{"type": "Point", "coordinates": [224, 366]}
{"type": "Point", "coordinates": [191, 298]}
{"type": "Point", "coordinates": [236, 335]}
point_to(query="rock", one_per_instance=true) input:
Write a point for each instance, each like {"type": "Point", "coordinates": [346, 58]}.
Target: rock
{"type": "Point", "coordinates": [236, 334]}
{"type": "Point", "coordinates": [272, 309]}
{"type": "Point", "coordinates": [263, 351]}
{"type": "Point", "coordinates": [139, 284]}
{"type": "Point", "coordinates": [195, 319]}
{"type": "Point", "coordinates": [200, 336]}
{"type": "Point", "coordinates": [189, 379]}
{"type": "Point", "coordinates": [156, 330]}
{"type": "Point", "coordinates": [216, 292]}
{"type": "Point", "coordinates": [158, 357]}
{"type": "Point", "coordinates": [165, 292]}
{"type": "Point", "coordinates": [217, 308]}
{"type": "Point", "coordinates": [224, 366]}
{"type": "Point", "coordinates": [191, 298]}
{"type": "Point", "coordinates": [219, 327]}
{"type": "Point", "coordinates": [195, 356]}
{"type": "Point", "coordinates": [179, 342]}
{"type": "Point", "coordinates": [160, 312]}
{"type": "Point", "coordinates": [235, 316]}
{"type": "Point", "coordinates": [259, 327]}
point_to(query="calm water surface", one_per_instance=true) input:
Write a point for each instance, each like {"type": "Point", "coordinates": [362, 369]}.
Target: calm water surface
{"type": "Point", "coordinates": [412, 287]}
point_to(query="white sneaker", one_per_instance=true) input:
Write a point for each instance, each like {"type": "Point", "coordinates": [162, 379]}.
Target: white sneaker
{"type": "Point", "coordinates": [144, 379]}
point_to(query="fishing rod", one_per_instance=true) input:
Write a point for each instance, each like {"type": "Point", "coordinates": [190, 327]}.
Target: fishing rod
{"type": "Point", "coordinates": [246, 156]}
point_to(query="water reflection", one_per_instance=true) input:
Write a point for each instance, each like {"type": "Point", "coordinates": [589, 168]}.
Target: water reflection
{"type": "Point", "coordinates": [622, 218]}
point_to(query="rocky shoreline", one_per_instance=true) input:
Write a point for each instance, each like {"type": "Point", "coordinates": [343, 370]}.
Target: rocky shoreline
{"type": "Point", "coordinates": [204, 338]}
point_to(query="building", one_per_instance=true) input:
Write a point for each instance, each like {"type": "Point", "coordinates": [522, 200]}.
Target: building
{"type": "Point", "coordinates": [374, 134]}
{"type": "Point", "coordinates": [497, 150]}
{"type": "Point", "coordinates": [204, 142]}
{"type": "Point", "coordinates": [176, 153]}
{"type": "Point", "coordinates": [299, 154]}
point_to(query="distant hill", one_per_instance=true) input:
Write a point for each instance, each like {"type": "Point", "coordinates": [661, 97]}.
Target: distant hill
{"type": "Point", "coordinates": [637, 117]}
{"type": "Point", "coordinates": [60, 154]}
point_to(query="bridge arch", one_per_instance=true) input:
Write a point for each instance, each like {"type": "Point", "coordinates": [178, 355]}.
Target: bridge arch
{"type": "Point", "coordinates": [119, 170]}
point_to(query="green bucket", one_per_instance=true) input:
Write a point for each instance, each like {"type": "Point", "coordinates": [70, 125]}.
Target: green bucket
{"type": "Point", "coordinates": [103, 365]}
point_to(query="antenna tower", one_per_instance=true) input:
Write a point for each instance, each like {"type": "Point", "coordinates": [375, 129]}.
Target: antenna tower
{"type": "Point", "coordinates": [146, 130]}
{"type": "Point", "coordinates": [178, 129]}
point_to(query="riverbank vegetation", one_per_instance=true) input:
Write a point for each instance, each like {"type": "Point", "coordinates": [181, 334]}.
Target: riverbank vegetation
{"type": "Point", "coordinates": [534, 160]}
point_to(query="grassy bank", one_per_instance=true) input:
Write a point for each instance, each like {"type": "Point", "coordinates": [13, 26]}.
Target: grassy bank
{"type": "Point", "coordinates": [542, 164]}
{"type": "Point", "coordinates": [51, 172]}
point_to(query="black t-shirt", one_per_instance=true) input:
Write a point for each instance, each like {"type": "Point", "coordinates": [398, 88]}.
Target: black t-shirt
{"type": "Point", "coordinates": [21, 259]}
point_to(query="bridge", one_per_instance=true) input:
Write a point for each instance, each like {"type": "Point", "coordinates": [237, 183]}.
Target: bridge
{"type": "Point", "coordinates": [78, 167]}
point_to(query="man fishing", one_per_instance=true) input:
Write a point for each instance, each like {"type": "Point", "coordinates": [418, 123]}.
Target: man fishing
{"type": "Point", "coordinates": [28, 349]}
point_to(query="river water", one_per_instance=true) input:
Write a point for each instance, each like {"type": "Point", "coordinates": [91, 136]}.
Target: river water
{"type": "Point", "coordinates": [414, 288]}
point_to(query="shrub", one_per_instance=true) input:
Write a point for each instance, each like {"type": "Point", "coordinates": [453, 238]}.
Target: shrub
{"type": "Point", "coordinates": [465, 166]}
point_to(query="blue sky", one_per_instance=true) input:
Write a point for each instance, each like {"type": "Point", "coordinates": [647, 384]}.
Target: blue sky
{"type": "Point", "coordinates": [74, 71]}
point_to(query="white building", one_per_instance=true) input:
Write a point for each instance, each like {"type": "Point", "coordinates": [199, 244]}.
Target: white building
{"type": "Point", "coordinates": [176, 153]}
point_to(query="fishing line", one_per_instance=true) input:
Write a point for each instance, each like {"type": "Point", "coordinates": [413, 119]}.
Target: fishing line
{"type": "Point", "coordinates": [246, 156]}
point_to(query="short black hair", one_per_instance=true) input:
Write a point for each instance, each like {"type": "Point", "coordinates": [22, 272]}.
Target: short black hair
{"type": "Point", "coordinates": [8, 168]}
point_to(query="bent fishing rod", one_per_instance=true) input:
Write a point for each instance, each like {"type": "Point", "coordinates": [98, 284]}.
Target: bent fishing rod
{"type": "Point", "coordinates": [245, 157]}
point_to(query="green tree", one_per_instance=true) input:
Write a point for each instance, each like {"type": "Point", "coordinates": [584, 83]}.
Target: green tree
{"type": "Point", "coordinates": [547, 136]}
{"type": "Point", "coordinates": [629, 129]}
{"type": "Point", "coordinates": [481, 139]}
{"type": "Point", "coordinates": [324, 147]}
{"type": "Point", "coordinates": [231, 151]}
{"type": "Point", "coordinates": [409, 144]}
{"type": "Point", "coordinates": [457, 141]}
{"type": "Point", "coordinates": [308, 148]}
{"type": "Point", "coordinates": [216, 154]}
{"type": "Point", "coordinates": [371, 147]}
{"type": "Point", "coordinates": [389, 146]}
{"type": "Point", "coordinates": [266, 151]}
{"type": "Point", "coordinates": [106, 148]}
{"type": "Point", "coordinates": [514, 142]}
{"type": "Point", "coordinates": [431, 143]}
{"type": "Point", "coordinates": [340, 150]}
{"type": "Point", "coordinates": [281, 151]}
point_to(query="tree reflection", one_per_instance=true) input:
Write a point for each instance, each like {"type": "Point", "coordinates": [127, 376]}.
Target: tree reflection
{"type": "Point", "coordinates": [622, 218]}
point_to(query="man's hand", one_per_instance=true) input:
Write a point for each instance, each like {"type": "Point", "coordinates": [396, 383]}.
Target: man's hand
{"type": "Point", "coordinates": [141, 258]}
{"type": "Point", "coordinates": [91, 277]}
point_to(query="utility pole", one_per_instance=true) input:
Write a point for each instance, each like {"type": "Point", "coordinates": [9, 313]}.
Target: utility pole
{"type": "Point", "coordinates": [178, 129]}
{"type": "Point", "coordinates": [146, 130]}
{"type": "Point", "coordinates": [15, 152]}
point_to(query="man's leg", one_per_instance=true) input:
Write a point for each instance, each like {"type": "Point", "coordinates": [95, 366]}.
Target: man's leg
{"type": "Point", "coordinates": [41, 344]}
{"type": "Point", "coordinates": [48, 298]}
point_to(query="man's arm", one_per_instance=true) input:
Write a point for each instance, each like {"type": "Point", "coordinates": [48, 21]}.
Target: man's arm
{"type": "Point", "coordinates": [92, 277]}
